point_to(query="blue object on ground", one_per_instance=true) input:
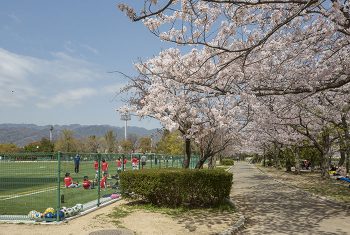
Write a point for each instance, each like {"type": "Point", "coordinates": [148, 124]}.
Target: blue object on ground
{"type": "Point", "coordinates": [345, 179]}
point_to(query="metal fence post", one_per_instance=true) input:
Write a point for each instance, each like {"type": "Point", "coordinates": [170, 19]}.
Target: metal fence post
{"type": "Point", "coordinates": [98, 180]}
{"type": "Point", "coordinates": [139, 162]}
{"type": "Point", "coordinates": [58, 186]}
{"type": "Point", "coordinates": [123, 165]}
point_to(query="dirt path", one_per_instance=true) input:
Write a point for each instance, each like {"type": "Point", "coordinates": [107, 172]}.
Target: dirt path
{"type": "Point", "coordinates": [274, 208]}
{"type": "Point", "coordinates": [83, 225]}
{"type": "Point", "coordinates": [138, 222]}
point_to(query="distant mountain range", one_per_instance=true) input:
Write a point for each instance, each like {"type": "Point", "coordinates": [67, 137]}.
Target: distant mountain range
{"type": "Point", "coordinates": [22, 134]}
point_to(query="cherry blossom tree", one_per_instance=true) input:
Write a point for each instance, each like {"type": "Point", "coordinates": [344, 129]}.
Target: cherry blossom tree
{"type": "Point", "coordinates": [293, 37]}
{"type": "Point", "coordinates": [280, 69]}
{"type": "Point", "coordinates": [316, 118]}
{"type": "Point", "coordinates": [214, 143]}
{"type": "Point", "coordinates": [191, 109]}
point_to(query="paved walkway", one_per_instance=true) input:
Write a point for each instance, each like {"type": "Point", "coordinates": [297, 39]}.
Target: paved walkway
{"type": "Point", "coordinates": [274, 208]}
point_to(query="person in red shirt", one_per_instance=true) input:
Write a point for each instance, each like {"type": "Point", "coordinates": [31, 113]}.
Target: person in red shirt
{"type": "Point", "coordinates": [134, 162]}
{"type": "Point", "coordinates": [86, 183]}
{"type": "Point", "coordinates": [96, 168]}
{"type": "Point", "coordinates": [103, 183]}
{"type": "Point", "coordinates": [119, 165]}
{"type": "Point", "coordinates": [125, 161]}
{"type": "Point", "coordinates": [68, 181]}
{"type": "Point", "coordinates": [96, 165]}
{"type": "Point", "coordinates": [104, 167]}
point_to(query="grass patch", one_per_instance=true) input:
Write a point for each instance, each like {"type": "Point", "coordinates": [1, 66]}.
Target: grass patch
{"type": "Point", "coordinates": [125, 210]}
{"type": "Point", "coordinates": [98, 216]}
{"type": "Point", "coordinates": [187, 217]}
{"type": "Point", "coordinates": [140, 205]}
{"type": "Point", "coordinates": [224, 167]}
{"type": "Point", "coordinates": [119, 213]}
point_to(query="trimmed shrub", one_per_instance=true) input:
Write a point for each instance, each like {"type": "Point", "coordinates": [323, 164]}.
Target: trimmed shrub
{"type": "Point", "coordinates": [227, 162]}
{"type": "Point", "coordinates": [175, 187]}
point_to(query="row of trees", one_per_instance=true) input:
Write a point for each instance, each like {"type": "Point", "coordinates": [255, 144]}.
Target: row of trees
{"type": "Point", "coordinates": [257, 75]}
{"type": "Point", "coordinates": [170, 143]}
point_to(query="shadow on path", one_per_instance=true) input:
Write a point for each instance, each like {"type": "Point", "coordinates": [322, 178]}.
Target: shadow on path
{"type": "Point", "coordinates": [274, 208]}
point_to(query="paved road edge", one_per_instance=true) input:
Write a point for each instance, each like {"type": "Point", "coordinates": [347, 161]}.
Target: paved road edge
{"type": "Point", "coordinates": [239, 223]}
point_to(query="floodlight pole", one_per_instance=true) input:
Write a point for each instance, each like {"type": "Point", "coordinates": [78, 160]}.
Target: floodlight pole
{"type": "Point", "coordinates": [126, 125]}
{"type": "Point", "coordinates": [125, 116]}
{"type": "Point", "coordinates": [51, 129]}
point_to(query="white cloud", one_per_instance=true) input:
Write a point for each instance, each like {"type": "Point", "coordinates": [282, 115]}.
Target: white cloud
{"type": "Point", "coordinates": [90, 49]}
{"type": "Point", "coordinates": [62, 80]}
{"type": "Point", "coordinates": [68, 46]}
{"type": "Point", "coordinates": [113, 88]}
{"type": "Point", "coordinates": [73, 48]}
{"type": "Point", "coordinates": [68, 98]}
{"type": "Point", "coordinates": [14, 18]}
{"type": "Point", "coordinates": [15, 88]}
{"type": "Point", "coordinates": [68, 68]}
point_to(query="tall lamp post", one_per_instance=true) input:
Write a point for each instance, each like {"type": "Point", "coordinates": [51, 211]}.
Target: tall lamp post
{"type": "Point", "coordinates": [125, 116]}
{"type": "Point", "coordinates": [51, 129]}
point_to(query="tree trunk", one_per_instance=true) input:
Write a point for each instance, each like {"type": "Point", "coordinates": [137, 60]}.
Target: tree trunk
{"type": "Point", "coordinates": [212, 162]}
{"type": "Point", "coordinates": [200, 163]}
{"type": "Point", "coordinates": [342, 150]}
{"type": "Point", "coordinates": [187, 158]}
{"type": "Point", "coordinates": [220, 158]}
{"type": "Point", "coordinates": [277, 156]}
{"type": "Point", "coordinates": [264, 158]}
{"type": "Point", "coordinates": [297, 161]}
{"type": "Point", "coordinates": [347, 164]}
{"type": "Point", "coordinates": [324, 165]}
{"type": "Point", "coordinates": [325, 155]}
{"type": "Point", "coordinates": [347, 142]}
{"type": "Point", "coordinates": [288, 164]}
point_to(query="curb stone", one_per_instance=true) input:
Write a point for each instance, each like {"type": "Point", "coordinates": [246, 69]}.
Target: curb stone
{"type": "Point", "coordinates": [235, 227]}
{"type": "Point", "coordinates": [228, 169]}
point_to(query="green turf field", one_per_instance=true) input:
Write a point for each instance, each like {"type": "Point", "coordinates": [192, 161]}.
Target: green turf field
{"type": "Point", "coordinates": [32, 185]}
{"type": "Point", "coordinates": [26, 186]}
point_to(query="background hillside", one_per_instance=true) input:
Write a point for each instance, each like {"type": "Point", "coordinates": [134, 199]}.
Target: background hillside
{"type": "Point", "coordinates": [22, 134]}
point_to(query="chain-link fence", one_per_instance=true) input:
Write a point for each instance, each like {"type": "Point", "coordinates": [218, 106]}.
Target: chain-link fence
{"type": "Point", "coordinates": [33, 185]}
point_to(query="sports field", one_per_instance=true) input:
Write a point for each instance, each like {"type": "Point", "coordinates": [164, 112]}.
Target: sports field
{"type": "Point", "coordinates": [32, 184]}
{"type": "Point", "coordinates": [26, 186]}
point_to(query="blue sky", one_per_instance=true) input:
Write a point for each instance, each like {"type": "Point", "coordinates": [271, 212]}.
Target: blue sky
{"type": "Point", "coordinates": [55, 57]}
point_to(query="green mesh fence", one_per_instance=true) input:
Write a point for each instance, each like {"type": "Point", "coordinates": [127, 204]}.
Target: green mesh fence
{"type": "Point", "coordinates": [27, 182]}
{"type": "Point", "coordinates": [36, 181]}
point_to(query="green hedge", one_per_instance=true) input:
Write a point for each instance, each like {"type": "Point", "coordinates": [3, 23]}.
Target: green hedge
{"type": "Point", "coordinates": [227, 162]}
{"type": "Point", "coordinates": [175, 187]}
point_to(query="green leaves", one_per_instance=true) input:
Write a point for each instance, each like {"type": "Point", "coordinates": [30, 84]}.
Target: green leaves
{"type": "Point", "coordinates": [175, 187]}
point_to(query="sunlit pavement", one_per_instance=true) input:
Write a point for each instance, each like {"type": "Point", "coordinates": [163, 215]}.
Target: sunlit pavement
{"type": "Point", "coordinates": [274, 208]}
